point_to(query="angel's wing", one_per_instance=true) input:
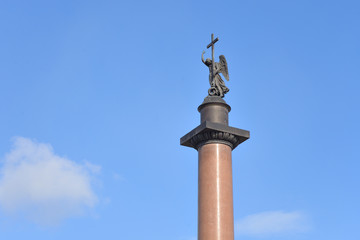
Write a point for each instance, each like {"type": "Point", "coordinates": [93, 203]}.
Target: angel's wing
{"type": "Point", "coordinates": [224, 67]}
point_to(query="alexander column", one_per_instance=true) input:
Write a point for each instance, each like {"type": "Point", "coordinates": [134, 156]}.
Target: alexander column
{"type": "Point", "coordinates": [214, 140]}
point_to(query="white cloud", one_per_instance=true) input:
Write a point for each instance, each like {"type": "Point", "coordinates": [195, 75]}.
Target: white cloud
{"type": "Point", "coordinates": [42, 186]}
{"type": "Point", "coordinates": [92, 167]}
{"type": "Point", "coordinates": [272, 223]}
{"type": "Point", "coordinates": [118, 177]}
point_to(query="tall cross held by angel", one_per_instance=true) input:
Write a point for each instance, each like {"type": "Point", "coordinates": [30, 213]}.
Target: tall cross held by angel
{"type": "Point", "coordinates": [217, 85]}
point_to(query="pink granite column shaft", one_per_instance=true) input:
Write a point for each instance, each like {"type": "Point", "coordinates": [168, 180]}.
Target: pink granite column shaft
{"type": "Point", "coordinates": [215, 206]}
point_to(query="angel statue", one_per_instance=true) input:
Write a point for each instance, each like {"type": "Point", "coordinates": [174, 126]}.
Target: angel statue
{"type": "Point", "coordinates": [217, 85]}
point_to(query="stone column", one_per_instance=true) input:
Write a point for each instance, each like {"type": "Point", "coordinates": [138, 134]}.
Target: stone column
{"type": "Point", "coordinates": [215, 196]}
{"type": "Point", "coordinates": [215, 140]}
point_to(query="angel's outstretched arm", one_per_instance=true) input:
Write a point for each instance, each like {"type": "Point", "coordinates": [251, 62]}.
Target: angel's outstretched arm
{"type": "Point", "coordinates": [202, 57]}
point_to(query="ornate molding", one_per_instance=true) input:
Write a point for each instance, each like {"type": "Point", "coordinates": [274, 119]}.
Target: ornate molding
{"type": "Point", "coordinates": [210, 132]}
{"type": "Point", "coordinates": [214, 137]}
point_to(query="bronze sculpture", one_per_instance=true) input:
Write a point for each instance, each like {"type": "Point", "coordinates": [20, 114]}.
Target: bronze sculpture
{"type": "Point", "coordinates": [217, 84]}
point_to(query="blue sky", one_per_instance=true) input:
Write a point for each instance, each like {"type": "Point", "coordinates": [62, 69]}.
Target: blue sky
{"type": "Point", "coordinates": [94, 96]}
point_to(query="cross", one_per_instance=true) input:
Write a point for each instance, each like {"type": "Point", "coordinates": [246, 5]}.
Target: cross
{"type": "Point", "coordinates": [212, 44]}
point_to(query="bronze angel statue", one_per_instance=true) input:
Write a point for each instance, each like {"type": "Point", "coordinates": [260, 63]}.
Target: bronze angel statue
{"type": "Point", "coordinates": [217, 85]}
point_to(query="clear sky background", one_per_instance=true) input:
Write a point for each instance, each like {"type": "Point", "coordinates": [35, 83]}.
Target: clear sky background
{"type": "Point", "coordinates": [95, 95]}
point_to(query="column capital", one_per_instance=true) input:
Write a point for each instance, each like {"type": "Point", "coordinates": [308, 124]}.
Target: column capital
{"type": "Point", "coordinates": [210, 132]}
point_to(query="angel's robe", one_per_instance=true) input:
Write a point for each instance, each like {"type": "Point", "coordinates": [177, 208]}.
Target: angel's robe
{"type": "Point", "coordinates": [217, 82]}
